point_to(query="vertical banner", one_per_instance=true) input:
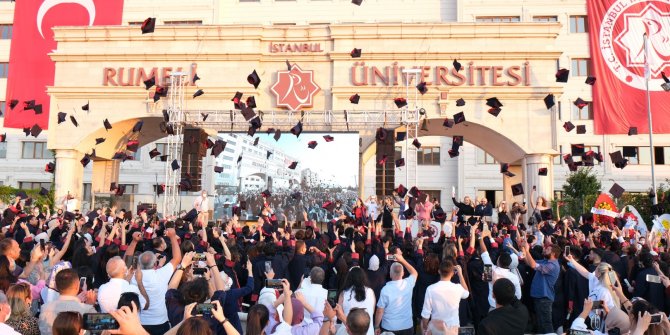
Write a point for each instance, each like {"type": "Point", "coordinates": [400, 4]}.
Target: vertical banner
{"type": "Point", "coordinates": [31, 69]}
{"type": "Point", "coordinates": [616, 33]}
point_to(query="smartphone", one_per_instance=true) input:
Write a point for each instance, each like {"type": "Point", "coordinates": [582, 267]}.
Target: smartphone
{"type": "Point", "coordinates": [488, 272]}
{"type": "Point", "coordinates": [503, 232]}
{"type": "Point", "coordinates": [100, 321]}
{"type": "Point", "coordinates": [268, 267]}
{"type": "Point", "coordinates": [613, 279]}
{"type": "Point", "coordinates": [466, 331]}
{"type": "Point", "coordinates": [332, 298]}
{"type": "Point", "coordinates": [655, 319]}
{"type": "Point", "coordinates": [391, 258]}
{"type": "Point", "coordinates": [128, 259]}
{"type": "Point", "coordinates": [579, 332]}
{"type": "Point", "coordinates": [274, 283]}
{"type": "Point", "coordinates": [82, 282]}
{"type": "Point", "coordinates": [199, 271]}
{"type": "Point", "coordinates": [203, 309]}
{"type": "Point", "coordinates": [199, 257]}
{"type": "Point", "coordinates": [653, 279]}
{"type": "Point", "coordinates": [567, 250]}
{"type": "Point", "coordinates": [597, 304]}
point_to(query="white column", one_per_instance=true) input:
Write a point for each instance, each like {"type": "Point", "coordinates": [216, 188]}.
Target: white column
{"type": "Point", "coordinates": [544, 184]}
{"type": "Point", "coordinates": [69, 174]}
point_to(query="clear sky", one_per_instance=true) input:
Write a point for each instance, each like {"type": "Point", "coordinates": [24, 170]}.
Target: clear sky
{"type": "Point", "coordinates": [338, 158]}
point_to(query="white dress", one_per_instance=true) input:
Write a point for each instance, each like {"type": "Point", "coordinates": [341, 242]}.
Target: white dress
{"type": "Point", "coordinates": [349, 301]}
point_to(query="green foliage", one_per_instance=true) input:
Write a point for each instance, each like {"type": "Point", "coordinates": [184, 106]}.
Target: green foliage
{"type": "Point", "coordinates": [8, 194]}
{"type": "Point", "coordinates": [580, 191]}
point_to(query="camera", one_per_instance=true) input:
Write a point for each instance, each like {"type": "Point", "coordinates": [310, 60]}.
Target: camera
{"type": "Point", "coordinates": [100, 321]}
{"type": "Point", "coordinates": [274, 283]}
{"type": "Point", "coordinates": [203, 309]}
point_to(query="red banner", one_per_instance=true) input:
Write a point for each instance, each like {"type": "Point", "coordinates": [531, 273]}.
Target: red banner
{"type": "Point", "coordinates": [616, 32]}
{"type": "Point", "coordinates": [31, 70]}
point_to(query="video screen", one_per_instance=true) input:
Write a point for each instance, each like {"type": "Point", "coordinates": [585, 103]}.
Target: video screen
{"type": "Point", "coordinates": [326, 172]}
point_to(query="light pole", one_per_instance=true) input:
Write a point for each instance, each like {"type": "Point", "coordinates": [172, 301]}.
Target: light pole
{"type": "Point", "coordinates": [647, 75]}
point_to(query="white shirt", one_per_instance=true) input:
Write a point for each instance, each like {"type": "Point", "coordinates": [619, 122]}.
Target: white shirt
{"type": "Point", "coordinates": [7, 330]}
{"type": "Point", "coordinates": [501, 273]}
{"type": "Point", "coordinates": [372, 209]}
{"type": "Point", "coordinates": [314, 294]}
{"type": "Point", "coordinates": [598, 292]}
{"type": "Point", "coordinates": [110, 292]}
{"type": "Point", "coordinates": [442, 300]}
{"type": "Point", "coordinates": [349, 301]}
{"type": "Point", "coordinates": [201, 204]}
{"type": "Point", "coordinates": [156, 285]}
{"type": "Point", "coordinates": [396, 300]}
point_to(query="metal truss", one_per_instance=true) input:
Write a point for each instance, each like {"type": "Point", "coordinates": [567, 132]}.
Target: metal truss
{"type": "Point", "coordinates": [175, 110]}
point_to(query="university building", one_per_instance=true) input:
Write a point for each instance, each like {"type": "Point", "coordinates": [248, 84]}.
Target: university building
{"type": "Point", "coordinates": [508, 49]}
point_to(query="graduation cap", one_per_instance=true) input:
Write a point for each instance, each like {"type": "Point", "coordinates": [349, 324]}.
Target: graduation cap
{"type": "Point", "coordinates": [256, 141]}
{"type": "Point", "coordinates": [400, 136]}
{"type": "Point", "coordinates": [598, 157]}
{"type": "Point", "coordinates": [208, 144]}
{"type": "Point", "coordinates": [120, 189]}
{"type": "Point", "coordinates": [493, 102]}
{"type": "Point", "coordinates": [453, 152]}
{"type": "Point", "coordinates": [3, 138]}
{"type": "Point", "coordinates": [277, 134]}
{"type": "Point", "coordinates": [68, 216]}
{"type": "Point", "coordinates": [239, 159]}
{"type": "Point", "coordinates": [164, 158]}
{"type": "Point", "coordinates": [99, 140]}
{"type": "Point", "coordinates": [297, 129]}
{"type": "Point", "coordinates": [632, 131]}
{"type": "Point", "coordinates": [237, 100]}
{"type": "Point", "coordinates": [457, 65]}
{"type": "Point", "coordinates": [293, 165]}
{"type": "Point", "coordinates": [354, 99]}
{"type": "Point", "coordinates": [35, 130]}
{"type": "Point", "coordinates": [85, 107]}
{"type": "Point", "coordinates": [356, 53]}
{"type": "Point", "coordinates": [50, 167]}
{"type": "Point", "coordinates": [517, 189]}
{"type": "Point", "coordinates": [26, 131]}
{"type": "Point", "coordinates": [247, 112]}
{"type": "Point", "coordinates": [251, 102]}
{"type": "Point", "coordinates": [169, 129]}
{"type": "Point", "coordinates": [119, 155]}
{"type": "Point", "coordinates": [159, 189]}
{"type": "Point", "coordinates": [567, 158]}
{"type": "Point", "coordinates": [266, 194]}
{"type": "Point", "coordinates": [357, 2]}
{"type": "Point", "coordinates": [218, 169]}
{"type": "Point", "coordinates": [542, 172]}
{"type": "Point", "coordinates": [138, 126]}
{"type": "Point", "coordinates": [159, 92]}
{"type": "Point", "coordinates": [251, 131]}
{"type": "Point", "coordinates": [577, 149]}
{"type": "Point", "coordinates": [549, 101]}
{"type": "Point", "coordinates": [44, 192]}
{"type": "Point", "coordinates": [616, 190]}
{"type": "Point", "coordinates": [149, 25]}
{"type": "Point", "coordinates": [401, 190]}
{"type": "Point", "coordinates": [254, 79]}
{"type": "Point", "coordinates": [590, 80]}
{"type": "Point", "coordinates": [328, 205]}
{"type": "Point", "coordinates": [174, 165]}
{"type": "Point", "coordinates": [414, 192]}
{"type": "Point", "coordinates": [267, 154]}
{"type": "Point", "coordinates": [459, 117]}
{"type": "Point", "coordinates": [381, 134]}
{"type": "Point", "coordinates": [562, 75]}
{"type": "Point", "coordinates": [132, 145]}
{"type": "Point", "coordinates": [618, 160]}
{"type": "Point", "coordinates": [422, 87]}
{"type": "Point", "coordinates": [198, 93]}
{"type": "Point", "coordinates": [328, 138]}
{"type": "Point", "coordinates": [382, 161]}
{"type": "Point", "coordinates": [195, 78]}
{"type": "Point", "coordinates": [494, 111]}
{"type": "Point", "coordinates": [399, 162]}
{"type": "Point", "coordinates": [204, 116]}
{"type": "Point", "coordinates": [400, 102]}
{"type": "Point", "coordinates": [13, 103]}
{"type": "Point", "coordinates": [38, 109]}
{"type": "Point", "coordinates": [448, 123]}
{"type": "Point", "coordinates": [185, 184]}
{"type": "Point", "coordinates": [580, 103]}
{"type": "Point", "coordinates": [84, 161]}
{"type": "Point", "coordinates": [74, 121]}
{"type": "Point", "coordinates": [107, 125]}
{"type": "Point", "coordinates": [460, 102]}
{"type": "Point", "coordinates": [568, 126]}
{"type": "Point", "coordinates": [416, 143]}
{"type": "Point", "coordinates": [149, 83]}
{"type": "Point", "coordinates": [581, 129]}
{"type": "Point", "coordinates": [154, 153]}
{"type": "Point", "coordinates": [28, 105]}
{"type": "Point", "coordinates": [312, 144]}
{"type": "Point", "coordinates": [587, 160]}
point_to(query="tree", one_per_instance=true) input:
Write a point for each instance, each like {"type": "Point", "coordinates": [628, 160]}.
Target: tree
{"type": "Point", "coordinates": [580, 190]}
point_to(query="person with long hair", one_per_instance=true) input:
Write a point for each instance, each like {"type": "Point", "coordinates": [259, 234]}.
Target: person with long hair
{"type": "Point", "coordinates": [257, 319]}
{"type": "Point", "coordinates": [68, 323]}
{"type": "Point", "coordinates": [20, 299]}
{"type": "Point", "coordinates": [465, 208]}
{"type": "Point", "coordinates": [360, 212]}
{"type": "Point", "coordinates": [357, 294]}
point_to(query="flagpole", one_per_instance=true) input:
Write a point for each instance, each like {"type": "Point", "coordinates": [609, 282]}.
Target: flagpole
{"type": "Point", "coordinates": [647, 75]}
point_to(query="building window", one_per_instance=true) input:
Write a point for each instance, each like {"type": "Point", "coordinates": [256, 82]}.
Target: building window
{"type": "Point", "coordinates": [36, 150]}
{"type": "Point", "coordinates": [4, 70]}
{"type": "Point", "coordinates": [558, 160]}
{"type": "Point", "coordinates": [130, 188]}
{"type": "Point", "coordinates": [586, 113]}
{"type": "Point", "coordinates": [428, 156]}
{"type": "Point", "coordinates": [6, 31]}
{"type": "Point", "coordinates": [483, 157]}
{"type": "Point", "coordinates": [642, 156]}
{"type": "Point", "coordinates": [183, 22]}
{"type": "Point", "coordinates": [497, 19]}
{"type": "Point", "coordinates": [135, 23]}
{"type": "Point", "coordinates": [433, 194]}
{"type": "Point", "coordinates": [545, 19]}
{"type": "Point", "coordinates": [34, 185]}
{"type": "Point", "coordinates": [579, 24]}
{"type": "Point", "coordinates": [231, 150]}
{"type": "Point", "coordinates": [3, 106]}
{"type": "Point", "coordinates": [587, 148]}
{"type": "Point", "coordinates": [580, 67]}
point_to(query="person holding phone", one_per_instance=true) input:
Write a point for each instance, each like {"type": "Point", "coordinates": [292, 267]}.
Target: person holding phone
{"type": "Point", "coordinates": [395, 300]}
{"type": "Point", "coordinates": [67, 283]}
{"type": "Point", "coordinates": [501, 270]}
{"type": "Point", "coordinates": [110, 292]}
{"type": "Point", "coordinates": [600, 282]}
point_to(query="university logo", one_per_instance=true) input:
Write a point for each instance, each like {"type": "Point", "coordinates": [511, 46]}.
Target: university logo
{"type": "Point", "coordinates": [295, 89]}
{"type": "Point", "coordinates": [621, 38]}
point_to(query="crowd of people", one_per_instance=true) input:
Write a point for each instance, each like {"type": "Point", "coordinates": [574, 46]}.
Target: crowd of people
{"type": "Point", "coordinates": [367, 271]}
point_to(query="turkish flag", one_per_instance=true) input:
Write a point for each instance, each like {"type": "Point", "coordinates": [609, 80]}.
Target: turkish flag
{"type": "Point", "coordinates": [31, 69]}
{"type": "Point", "coordinates": [616, 33]}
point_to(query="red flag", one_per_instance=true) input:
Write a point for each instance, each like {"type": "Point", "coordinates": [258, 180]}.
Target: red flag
{"type": "Point", "coordinates": [616, 29]}
{"type": "Point", "coordinates": [31, 70]}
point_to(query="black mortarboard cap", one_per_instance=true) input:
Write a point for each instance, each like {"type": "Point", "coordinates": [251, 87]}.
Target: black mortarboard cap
{"type": "Point", "coordinates": [587, 160]}
{"type": "Point", "coordinates": [149, 83]}
{"type": "Point", "coordinates": [149, 25]}
{"type": "Point", "coordinates": [29, 202]}
{"type": "Point", "coordinates": [198, 93]}
{"type": "Point", "coordinates": [357, 2]}
{"type": "Point", "coordinates": [517, 189]}
{"type": "Point", "coordinates": [84, 161]}
{"type": "Point", "coordinates": [618, 160]}
{"type": "Point", "coordinates": [460, 102]}
{"type": "Point", "coordinates": [251, 102]}
{"type": "Point", "coordinates": [277, 134]}
{"type": "Point", "coordinates": [632, 131]}
{"type": "Point", "coordinates": [312, 144]}
{"type": "Point", "coordinates": [400, 102]}
{"type": "Point", "coordinates": [175, 165]}
{"type": "Point", "coordinates": [457, 65]}
{"type": "Point", "coordinates": [119, 155]}
{"type": "Point", "coordinates": [99, 140]}
{"type": "Point", "coordinates": [328, 138]}
{"type": "Point", "coordinates": [296, 196]}
{"type": "Point", "coordinates": [381, 134]}
{"type": "Point", "coordinates": [237, 99]}
{"type": "Point", "coordinates": [247, 112]}
{"type": "Point", "coordinates": [414, 192]}
{"type": "Point", "coordinates": [208, 144]}
{"type": "Point", "coordinates": [400, 162]}
{"type": "Point", "coordinates": [293, 165]}
{"type": "Point", "coordinates": [28, 105]}
{"type": "Point", "coordinates": [120, 190]}
{"type": "Point", "coordinates": [138, 126]}
{"type": "Point", "coordinates": [581, 129]}
{"type": "Point", "coordinates": [22, 195]}
{"type": "Point", "coordinates": [577, 149]}
{"type": "Point", "coordinates": [567, 158]}
{"type": "Point", "coordinates": [204, 116]}
{"type": "Point", "coordinates": [297, 129]}
{"type": "Point", "coordinates": [580, 103]}
{"type": "Point", "coordinates": [549, 101]}
{"type": "Point", "coordinates": [590, 80]}
{"type": "Point", "coordinates": [400, 136]}
{"type": "Point", "coordinates": [169, 129]}
{"type": "Point", "coordinates": [493, 102]}
{"type": "Point", "coordinates": [453, 153]}
{"type": "Point", "coordinates": [68, 216]}
{"type": "Point", "coordinates": [74, 121]}
{"type": "Point", "coordinates": [44, 192]}
{"type": "Point", "coordinates": [256, 141]}
{"type": "Point", "coordinates": [494, 111]}
{"type": "Point", "coordinates": [422, 87]}
{"type": "Point", "coordinates": [266, 194]}
{"type": "Point", "coordinates": [38, 109]}
{"type": "Point", "coordinates": [459, 117]}
{"type": "Point", "coordinates": [35, 130]}
{"type": "Point", "coordinates": [354, 99]}
{"type": "Point", "coordinates": [356, 53]}
{"type": "Point", "coordinates": [164, 158]}
{"type": "Point", "coordinates": [616, 190]}
{"type": "Point", "coordinates": [401, 190]}
{"type": "Point", "coordinates": [3, 138]}
{"type": "Point", "coordinates": [61, 117]}
{"type": "Point", "coordinates": [629, 151]}
{"type": "Point", "coordinates": [448, 123]}
{"type": "Point", "coordinates": [416, 143]}
{"type": "Point", "coordinates": [542, 172]}
{"type": "Point", "coordinates": [239, 159]}
{"type": "Point", "coordinates": [26, 131]}
{"type": "Point", "coordinates": [562, 75]}
{"type": "Point", "coordinates": [568, 126]}
{"type": "Point", "coordinates": [457, 140]}
{"type": "Point", "coordinates": [154, 153]}
{"type": "Point", "coordinates": [254, 79]}
{"type": "Point", "coordinates": [218, 169]}
{"type": "Point", "coordinates": [50, 167]}
{"type": "Point", "coordinates": [504, 167]}
{"type": "Point", "coordinates": [251, 131]}
{"type": "Point", "coordinates": [107, 125]}
{"type": "Point", "coordinates": [85, 107]}
{"type": "Point", "coordinates": [268, 154]}
{"type": "Point", "coordinates": [13, 103]}
{"type": "Point", "coordinates": [159, 189]}
{"type": "Point", "coordinates": [328, 205]}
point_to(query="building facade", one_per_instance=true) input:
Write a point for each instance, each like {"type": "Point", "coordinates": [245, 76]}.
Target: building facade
{"type": "Point", "coordinates": [317, 35]}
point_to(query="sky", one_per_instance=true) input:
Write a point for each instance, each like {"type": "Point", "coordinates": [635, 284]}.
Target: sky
{"type": "Point", "coordinates": [338, 158]}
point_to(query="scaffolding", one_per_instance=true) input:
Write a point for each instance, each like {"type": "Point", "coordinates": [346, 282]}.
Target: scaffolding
{"type": "Point", "coordinates": [175, 111]}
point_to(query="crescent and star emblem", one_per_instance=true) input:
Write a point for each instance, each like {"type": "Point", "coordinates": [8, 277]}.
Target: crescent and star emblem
{"type": "Point", "coordinates": [49, 4]}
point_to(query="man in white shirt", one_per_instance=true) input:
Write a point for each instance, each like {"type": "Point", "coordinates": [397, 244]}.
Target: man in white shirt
{"type": "Point", "coordinates": [313, 291]}
{"type": "Point", "coordinates": [442, 298]}
{"type": "Point", "coordinates": [502, 270]}
{"type": "Point", "coordinates": [155, 319]}
{"type": "Point", "coordinates": [395, 300]}
{"type": "Point", "coordinates": [201, 204]}
{"type": "Point", "coordinates": [5, 311]}
{"type": "Point", "coordinates": [110, 292]}
{"type": "Point", "coordinates": [371, 204]}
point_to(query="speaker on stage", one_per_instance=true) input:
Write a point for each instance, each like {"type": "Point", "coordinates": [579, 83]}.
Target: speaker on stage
{"type": "Point", "coordinates": [194, 150]}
